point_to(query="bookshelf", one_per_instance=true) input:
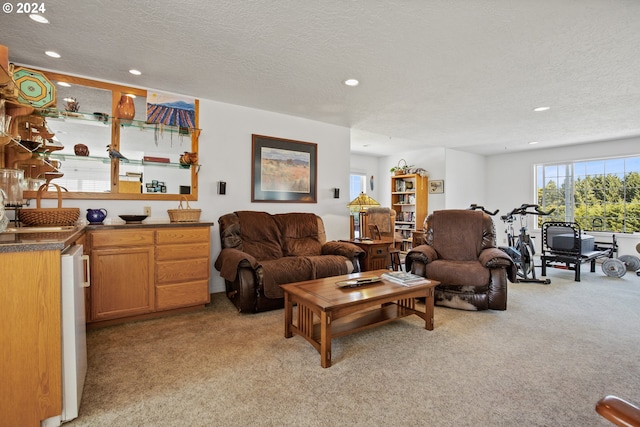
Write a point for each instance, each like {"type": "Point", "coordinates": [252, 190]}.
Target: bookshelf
{"type": "Point", "coordinates": [409, 198]}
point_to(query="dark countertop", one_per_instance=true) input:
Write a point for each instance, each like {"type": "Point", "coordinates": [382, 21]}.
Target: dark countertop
{"type": "Point", "coordinates": [31, 239]}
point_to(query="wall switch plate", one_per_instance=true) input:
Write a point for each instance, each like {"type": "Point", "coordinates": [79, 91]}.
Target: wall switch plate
{"type": "Point", "coordinates": [147, 210]}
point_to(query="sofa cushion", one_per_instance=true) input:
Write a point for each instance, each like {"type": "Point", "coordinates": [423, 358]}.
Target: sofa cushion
{"type": "Point", "coordinates": [330, 265]}
{"type": "Point", "coordinates": [288, 269]}
{"type": "Point", "coordinates": [299, 233]}
{"type": "Point", "coordinates": [471, 273]}
{"type": "Point", "coordinates": [260, 235]}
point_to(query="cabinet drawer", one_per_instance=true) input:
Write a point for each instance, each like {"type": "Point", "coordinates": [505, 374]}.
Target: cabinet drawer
{"type": "Point", "coordinates": [121, 238]}
{"type": "Point", "coordinates": [182, 271]}
{"type": "Point", "coordinates": [379, 254]}
{"type": "Point", "coordinates": [182, 295]}
{"type": "Point", "coordinates": [189, 251]}
{"type": "Point", "coordinates": [183, 235]}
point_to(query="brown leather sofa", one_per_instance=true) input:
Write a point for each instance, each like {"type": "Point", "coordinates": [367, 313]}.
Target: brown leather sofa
{"type": "Point", "coordinates": [460, 252]}
{"type": "Point", "coordinates": [261, 251]}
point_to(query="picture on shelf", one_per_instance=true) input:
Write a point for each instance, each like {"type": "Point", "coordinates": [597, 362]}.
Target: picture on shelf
{"type": "Point", "coordinates": [169, 109]}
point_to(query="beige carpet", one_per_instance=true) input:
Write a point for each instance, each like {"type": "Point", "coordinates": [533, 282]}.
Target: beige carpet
{"type": "Point", "coordinates": [543, 362]}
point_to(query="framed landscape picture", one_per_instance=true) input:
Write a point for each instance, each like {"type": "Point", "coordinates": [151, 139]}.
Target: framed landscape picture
{"type": "Point", "coordinates": [283, 170]}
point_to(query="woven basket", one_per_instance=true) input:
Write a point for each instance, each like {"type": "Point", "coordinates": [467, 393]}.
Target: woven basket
{"type": "Point", "coordinates": [47, 217]}
{"type": "Point", "coordinates": [400, 170]}
{"type": "Point", "coordinates": [183, 214]}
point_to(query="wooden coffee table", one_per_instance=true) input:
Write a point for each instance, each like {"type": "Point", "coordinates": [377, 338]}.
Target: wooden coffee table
{"type": "Point", "coordinates": [326, 311]}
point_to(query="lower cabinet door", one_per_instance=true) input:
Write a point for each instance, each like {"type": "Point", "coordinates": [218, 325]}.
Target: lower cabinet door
{"type": "Point", "coordinates": [122, 282]}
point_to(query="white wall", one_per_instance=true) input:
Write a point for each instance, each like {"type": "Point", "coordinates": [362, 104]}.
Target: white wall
{"type": "Point", "coordinates": [431, 158]}
{"type": "Point", "coordinates": [225, 152]}
{"type": "Point", "coordinates": [463, 175]}
{"type": "Point", "coordinates": [464, 181]}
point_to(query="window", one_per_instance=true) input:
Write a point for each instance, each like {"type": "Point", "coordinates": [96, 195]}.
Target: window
{"type": "Point", "coordinates": [357, 185]}
{"type": "Point", "coordinates": [602, 194]}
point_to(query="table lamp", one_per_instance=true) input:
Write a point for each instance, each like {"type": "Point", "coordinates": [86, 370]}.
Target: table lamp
{"type": "Point", "coordinates": [360, 205]}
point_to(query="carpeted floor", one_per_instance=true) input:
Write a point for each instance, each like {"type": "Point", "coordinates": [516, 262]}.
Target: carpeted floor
{"type": "Point", "coordinates": [544, 362]}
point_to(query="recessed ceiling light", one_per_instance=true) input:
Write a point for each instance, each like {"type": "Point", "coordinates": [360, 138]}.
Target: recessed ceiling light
{"type": "Point", "coordinates": [64, 84]}
{"type": "Point", "coordinates": [52, 54]}
{"type": "Point", "coordinates": [130, 95]}
{"type": "Point", "coordinates": [135, 72]}
{"type": "Point", "coordinates": [534, 142]}
{"type": "Point", "coordinates": [39, 18]}
{"type": "Point", "coordinates": [351, 82]}
{"type": "Point", "coordinates": [541, 108]}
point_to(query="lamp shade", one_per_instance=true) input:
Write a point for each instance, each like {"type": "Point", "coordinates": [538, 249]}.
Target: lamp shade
{"type": "Point", "coordinates": [361, 202]}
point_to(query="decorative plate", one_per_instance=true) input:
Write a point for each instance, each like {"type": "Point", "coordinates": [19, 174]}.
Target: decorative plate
{"type": "Point", "coordinates": [133, 219]}
{"type": "Point", "coordinates": [35, 88]}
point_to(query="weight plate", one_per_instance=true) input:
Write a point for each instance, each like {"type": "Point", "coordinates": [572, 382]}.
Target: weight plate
{"type": "Point", "coordinates": [613, 267]}
{"type": "Point", "coordinates": [631, 262]}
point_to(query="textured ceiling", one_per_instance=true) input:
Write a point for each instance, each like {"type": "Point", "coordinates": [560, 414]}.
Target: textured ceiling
{"type": "Point", "coordinates": [454, 73]}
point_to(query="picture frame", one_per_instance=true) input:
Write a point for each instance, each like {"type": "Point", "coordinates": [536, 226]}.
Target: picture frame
{"type": "Point", "coordinates": [283, 170]}
{"type": "Point", "coordinates": [436, 186]}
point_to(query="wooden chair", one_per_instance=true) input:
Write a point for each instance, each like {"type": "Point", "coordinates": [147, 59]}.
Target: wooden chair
{"type": "Point", "coordinates": [375, 234]}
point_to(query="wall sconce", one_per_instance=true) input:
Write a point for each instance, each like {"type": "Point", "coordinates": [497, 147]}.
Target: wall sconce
{"type": "Point", "coordinates": [222, 187]}
{"type": "Point", "coordinates": [336, 193]}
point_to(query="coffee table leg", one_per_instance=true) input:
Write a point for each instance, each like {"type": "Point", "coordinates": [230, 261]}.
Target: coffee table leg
{"type": "Point", "coordinates": [325, 339]}
{"type": "Point", "coordinates": [288, 315]}
{"type": "Point", "coordinates": [428, 309]}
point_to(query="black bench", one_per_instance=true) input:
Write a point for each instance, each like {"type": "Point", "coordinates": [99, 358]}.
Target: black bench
{"type": "Point", "coordinates": [564, 243]}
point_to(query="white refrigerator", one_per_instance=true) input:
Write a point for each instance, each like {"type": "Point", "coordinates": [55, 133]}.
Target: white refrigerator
{"type": "Point", "coordinates": [74, 335]}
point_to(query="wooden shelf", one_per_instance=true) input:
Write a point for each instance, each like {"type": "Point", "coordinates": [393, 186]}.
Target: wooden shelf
{"type": "Point", "coordinates": [409, 216]}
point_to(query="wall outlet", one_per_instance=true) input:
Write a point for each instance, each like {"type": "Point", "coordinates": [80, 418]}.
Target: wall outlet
{"type": "Point", "coordinates": [147, 210]}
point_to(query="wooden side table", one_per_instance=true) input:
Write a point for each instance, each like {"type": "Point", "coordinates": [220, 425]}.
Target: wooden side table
{"type": "Point", "coordinates": [376, 253]}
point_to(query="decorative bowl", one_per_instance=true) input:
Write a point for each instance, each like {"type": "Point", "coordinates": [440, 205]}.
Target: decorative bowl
{"type": "Point", "coordinates": [133, 219]}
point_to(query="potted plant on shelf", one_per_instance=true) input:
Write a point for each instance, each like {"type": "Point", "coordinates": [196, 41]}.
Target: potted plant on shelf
{"type": "Point", "coordinates": [404, 169]}
{"type": "Point", "coordinates": [401, 168]}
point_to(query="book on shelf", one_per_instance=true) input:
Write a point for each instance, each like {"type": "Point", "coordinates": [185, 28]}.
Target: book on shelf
{"type": "Point", "coordinates": [404, 278]}
{"type": "Point", "coordinates": [153, 159]}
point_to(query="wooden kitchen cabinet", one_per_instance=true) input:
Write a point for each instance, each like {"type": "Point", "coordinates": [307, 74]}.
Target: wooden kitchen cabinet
{"type": "Point", "coordinates": [122, 273]}
{"type": "Point", "coordinates": [182, 267]}
{"type": "Point", "coordinates": [142, 272]}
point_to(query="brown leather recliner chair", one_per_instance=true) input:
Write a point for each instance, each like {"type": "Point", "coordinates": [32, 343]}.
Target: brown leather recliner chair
{"type": "Point", "coordinates": [460, 252]}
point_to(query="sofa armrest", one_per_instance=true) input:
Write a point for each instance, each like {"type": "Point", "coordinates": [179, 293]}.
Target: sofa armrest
{"type": "Point", "coordinates": [423, 254]}
{"type": "Point", "coordinates": [346, 249]}
{"type": "Point", "coordinates": [497, 258]}
{"type": "Point", "coordinates": [231, 259]}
